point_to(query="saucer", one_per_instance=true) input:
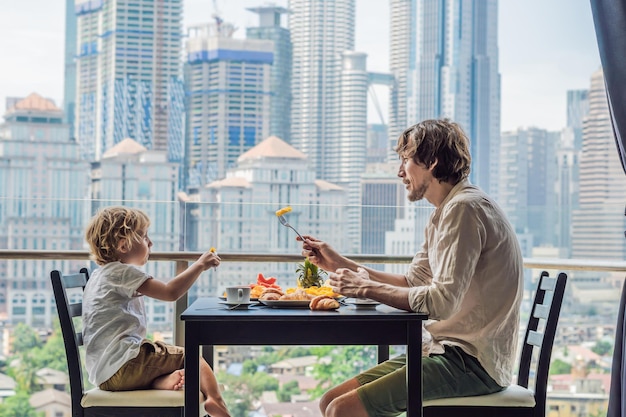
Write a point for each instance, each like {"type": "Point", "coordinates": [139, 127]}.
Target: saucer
{"type": "Point", "coordinates": [236, 306]}
{"type": "Point", "coordinates": [363, 303]}
{"type": "Point", "coordinates": [252, 299]}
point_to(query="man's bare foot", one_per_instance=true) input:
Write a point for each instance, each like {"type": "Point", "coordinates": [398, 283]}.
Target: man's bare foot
{"type": "Point", "coordinates": [173, 382]}
{"type": "Point", "coordinates": [216, 408]}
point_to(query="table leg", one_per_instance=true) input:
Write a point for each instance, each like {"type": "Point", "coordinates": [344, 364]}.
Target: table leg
{"type": "Point", "coordinates": [414, 370]}
{"type": "Point", "coordinates": [192, 374]}
{"type": "Point", "coordinates": [383, 353]}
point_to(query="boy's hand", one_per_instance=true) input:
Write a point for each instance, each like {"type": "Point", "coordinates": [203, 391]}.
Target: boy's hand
{"type": "Point", "coordinates": [209, 259]}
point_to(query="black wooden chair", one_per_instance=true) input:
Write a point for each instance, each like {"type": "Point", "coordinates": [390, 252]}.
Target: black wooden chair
{"type": "Point", "coordinates": [96, 402]}
{"type": "Point", "coordinates": [518, 400]}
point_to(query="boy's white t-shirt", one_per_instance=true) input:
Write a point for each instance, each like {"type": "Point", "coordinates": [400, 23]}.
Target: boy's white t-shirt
{"type": "Point", "coordinates": [114, 319]}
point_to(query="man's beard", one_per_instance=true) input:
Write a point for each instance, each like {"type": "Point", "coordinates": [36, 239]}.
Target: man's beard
{"type": "Point", "coordinates": [418, 193]}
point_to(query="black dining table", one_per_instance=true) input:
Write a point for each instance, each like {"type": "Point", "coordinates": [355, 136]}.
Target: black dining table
{"type": "Point", "coordinates": [208, 322]}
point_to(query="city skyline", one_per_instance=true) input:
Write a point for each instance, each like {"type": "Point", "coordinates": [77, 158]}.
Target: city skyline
{"type": "Point", "coordinates": [545, 49]}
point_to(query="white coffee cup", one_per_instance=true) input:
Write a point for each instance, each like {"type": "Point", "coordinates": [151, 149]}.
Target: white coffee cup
{"type": "Point", "coordinates": [239, 294]}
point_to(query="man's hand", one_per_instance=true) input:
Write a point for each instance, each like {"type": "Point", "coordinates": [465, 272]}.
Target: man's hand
{"type": "Point", "coordinates": [321, 254]}
{"type": "Point", "coordinates": [350, 283]}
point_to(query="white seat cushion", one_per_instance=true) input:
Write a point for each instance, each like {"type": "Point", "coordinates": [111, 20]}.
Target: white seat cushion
{"type": "Point", "coordinates": [512, 396]}
{"type": "Point", "coordinates": [139, 398]}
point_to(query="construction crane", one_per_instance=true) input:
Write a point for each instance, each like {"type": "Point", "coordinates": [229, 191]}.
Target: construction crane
{"type": "Point", "coordinates": [217, 15]}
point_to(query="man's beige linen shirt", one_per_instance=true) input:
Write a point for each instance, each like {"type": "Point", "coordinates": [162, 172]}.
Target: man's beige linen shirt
{"type": "Point", "coordinates": [468, 278]}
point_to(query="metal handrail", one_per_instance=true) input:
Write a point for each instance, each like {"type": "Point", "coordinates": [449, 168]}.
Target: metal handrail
{"type": "Point", "coordinates": [182, 256]}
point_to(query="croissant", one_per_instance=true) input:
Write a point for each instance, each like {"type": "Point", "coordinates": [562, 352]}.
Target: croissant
{"type": "Point", "coordinates": [323, 302]}
{"type": "Point", "coordinates": [271, 294]}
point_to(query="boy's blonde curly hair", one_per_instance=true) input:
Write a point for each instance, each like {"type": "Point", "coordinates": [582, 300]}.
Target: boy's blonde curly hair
{"type": "Point", "coordinates": [112, 225]}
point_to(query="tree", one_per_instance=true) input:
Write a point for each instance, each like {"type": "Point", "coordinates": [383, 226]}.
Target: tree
{"type": "Point", "coordinates": [559, 367]}
{"type": "Point", "coordinates": [243, 390]}
{"type": "Point", "coordinates": [602, 347]}
{"type": "Point", "coordinates": [18, 406]}
{"type": "Point", "coordinates": [52, 354]}
{"type": "Point", "coordinates": [287, 390]}
{"type": "Point", "coordinates": [24, 338]}
{"type": "Point", "coordinates": [345, 362]}
{"type": "Point", "coordinates": [249, 367]}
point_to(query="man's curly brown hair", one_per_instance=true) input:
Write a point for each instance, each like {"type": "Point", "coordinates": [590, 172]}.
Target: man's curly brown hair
{"type": "Point", "coordinates": [109, 227]}
{"type": "Point", "coordinates": [438, 140]}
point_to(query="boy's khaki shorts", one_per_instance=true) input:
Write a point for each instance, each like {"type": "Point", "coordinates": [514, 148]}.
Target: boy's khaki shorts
{"type": "Point", "coordinates": [454, 373]}
{"type": "Point", "coordinates": [154, 359]}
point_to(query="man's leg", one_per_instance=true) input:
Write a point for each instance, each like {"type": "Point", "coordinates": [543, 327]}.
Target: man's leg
{"type": "Point", "coordinates": [349, 400]}
{"type": "Point", "coordinates": [348, 404]}
{"type": "Point", "coordinates": [343, 400]}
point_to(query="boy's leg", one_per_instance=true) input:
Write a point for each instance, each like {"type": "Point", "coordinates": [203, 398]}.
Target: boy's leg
{"type": "Point", "coordinates": [174, 381]}
{"type": "Point", "coordinates": [155, 360]}
{"type": "Point", "coordinates": [214, 404]}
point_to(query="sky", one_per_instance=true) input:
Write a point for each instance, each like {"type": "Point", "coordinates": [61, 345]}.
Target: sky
{"type": "Point", "coordinates": [546, 47]}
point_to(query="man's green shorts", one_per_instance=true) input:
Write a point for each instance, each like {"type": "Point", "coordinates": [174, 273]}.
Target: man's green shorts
{"type": "Point", "coordinates": [451, 374]}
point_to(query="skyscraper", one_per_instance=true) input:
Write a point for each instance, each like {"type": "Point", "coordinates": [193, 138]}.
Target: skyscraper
{"type": "Point", "coordinates": [599, 222]}
{"type": "Point", "coordinates": [577, 110]}
{"type": "Point", "coordinates": [383, 201]}
{"type": "Point", "coordinates": [444, 53]}
{"type": "Point", "coordinates": [129, 75]}
{"type": "Point", "coordinates": [329, 110]}
{"type": "Point", "coordinates": [527, 194]}
{"type": "Point", "coordinates": [321, 31]}
{"type": "Point", "coordinates": [227, 88]}
{"type": "Point", "coordinates": [69, 86]}
{"type": "Point", "coordinates": [280, 80]}
{"type": "Point", "coordinates": [568, 166]}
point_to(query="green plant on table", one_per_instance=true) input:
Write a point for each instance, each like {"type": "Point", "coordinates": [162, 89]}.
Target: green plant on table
{"type": "Point", "coordinates": [309, 275]}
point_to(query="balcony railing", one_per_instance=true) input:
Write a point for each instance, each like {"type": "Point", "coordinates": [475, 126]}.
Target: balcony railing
{"type": "Point", "coordinates": [182, 259]}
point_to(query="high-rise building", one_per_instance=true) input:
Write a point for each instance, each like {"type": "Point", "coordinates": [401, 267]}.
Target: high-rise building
{"type": "Point", "coordinates": [527, 195]}
{"type": "Point", "coordinates": [377, 148]}
{"type": "Point", "coordinates": [599, 222]}
{"type": "Point", "coordinates": [43, 187]}
{"type": "Point", "coordinates": [227, 88]}
{"type": "Point", "coordinates": [280, 80]}
{"type": "Point", "coordinates": [382, 202]}
{"type": "Point", "coordinates": [129, 75]}
{"type": "Point", "coordinates": [566, 188]}
{"type": "Point", "coordinates": [347, 154]}
{"type": "Point", "coordinates": [568, 167]}
{"type": "Point", "coordinates": [321, 31]}
{"type": "Point", "coordinates": [444, 54]}
{"type": "Point", "coordinates": [128, 174]}
{"type": "Point", "coordinates": [237, 213]}
{"type": "Point", "coordinates": [69, 86]}
{"type": "Point", "coordinates": [577, 110]}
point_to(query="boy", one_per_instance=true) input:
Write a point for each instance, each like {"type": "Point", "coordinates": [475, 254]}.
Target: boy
{"type": "Point", "coordinates": [119, 357]}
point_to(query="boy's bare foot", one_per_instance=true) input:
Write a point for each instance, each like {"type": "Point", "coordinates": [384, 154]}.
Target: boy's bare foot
{"type": "Point", "coordinates": [173, 382]}
{"type": "Point", "coordinates": [216, 408]}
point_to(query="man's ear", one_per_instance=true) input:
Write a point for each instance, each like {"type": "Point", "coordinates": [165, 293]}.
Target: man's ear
{"type": "Point", "coordinates": [433, 165]}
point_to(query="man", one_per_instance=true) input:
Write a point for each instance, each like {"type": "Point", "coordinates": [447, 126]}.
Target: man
{"type": "Point", "coordinates": [468, 278]}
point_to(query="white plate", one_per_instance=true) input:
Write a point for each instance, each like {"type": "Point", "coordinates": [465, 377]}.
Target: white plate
{"type": "Point", "coordinates": [286, 303]}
